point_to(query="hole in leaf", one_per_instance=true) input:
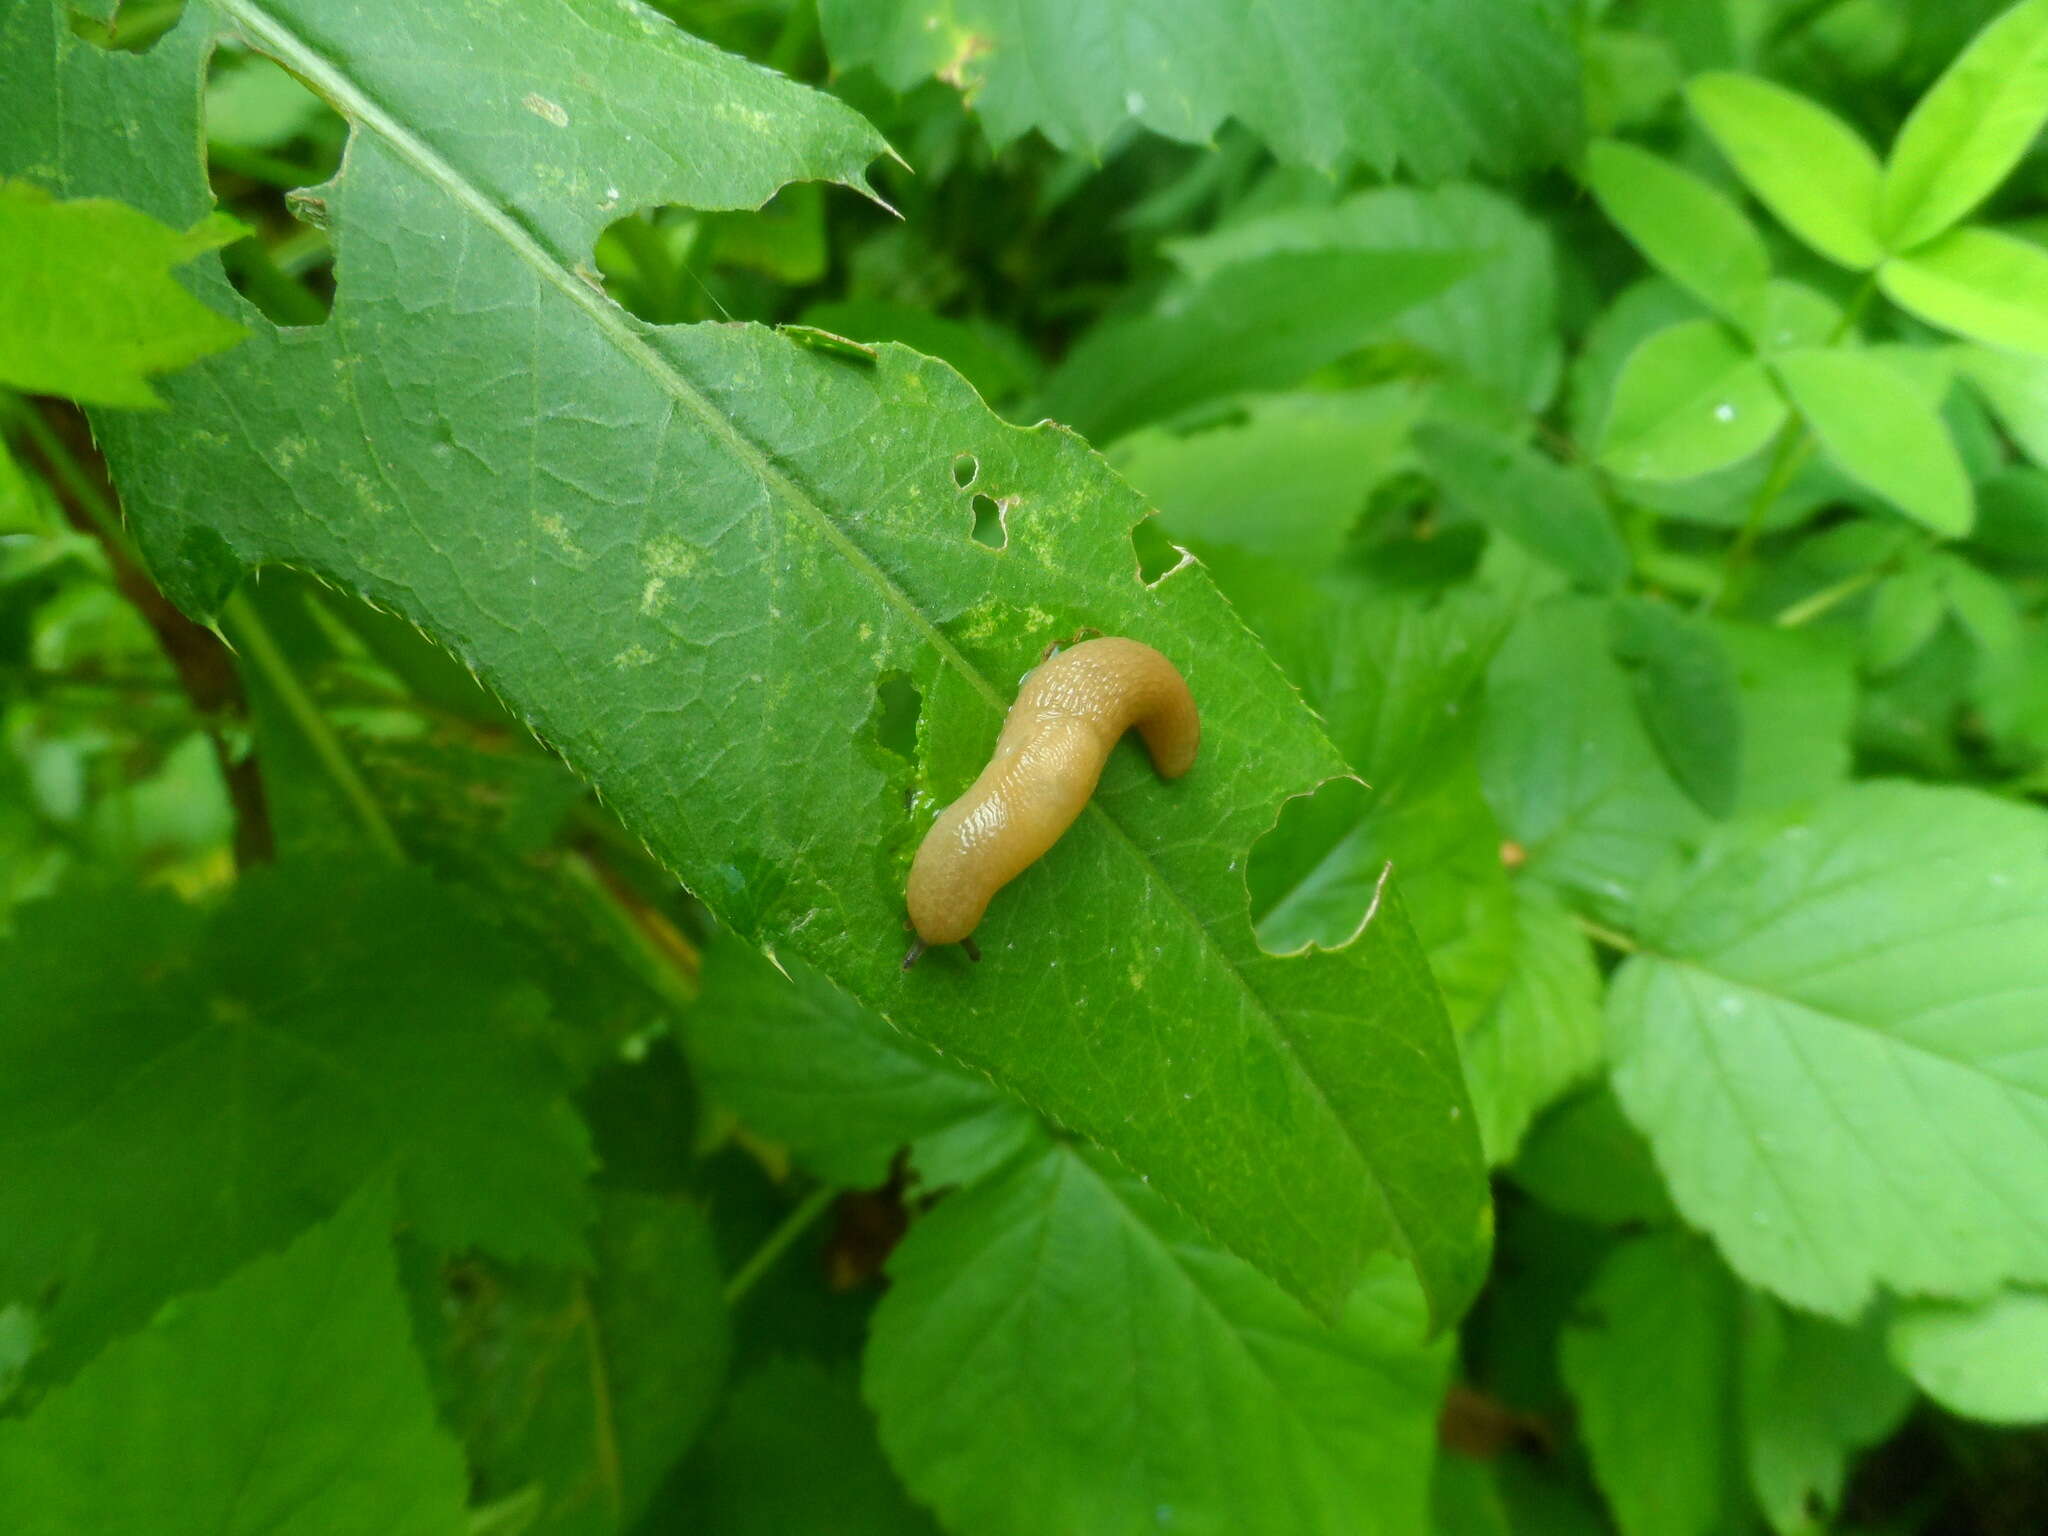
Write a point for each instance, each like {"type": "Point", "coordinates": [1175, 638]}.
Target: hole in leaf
{"type": "Point", "coordinates": [894, 721]}
{"type": "Point", "coordinates": [965, 468]}
{"type": "Point", "coordinates": [674, 266]}
{"type": "Point", "coordinates": [1157, 554]}
{"type": "Point", "coordinates": [650, 263]}
{"type": "Point", "coordinates": [1315, 878]}
{"type": "Point", "coordinates": [268, 138]}
{"type": "Point", "coordinates": [990, 527]}
{"type": "Point", "coordinates": [131, 27]}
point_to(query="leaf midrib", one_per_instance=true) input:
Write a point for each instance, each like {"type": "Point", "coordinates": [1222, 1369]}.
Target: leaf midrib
{"type": "Point", "coordinates": [266, 32]}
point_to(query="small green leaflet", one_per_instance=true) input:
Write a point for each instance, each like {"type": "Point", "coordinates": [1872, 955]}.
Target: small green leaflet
{"type": "Point", "coordinates": [691, 557]}
{"type": "Point", "coordinates": [1980, 283]}
{"type": "Point", "coordinates": [1806, 165]}
{"type": "Point", "coordinates": [1881, 432]}
{"type": "Point", "coordinates": [288, 1401]}
{"type": "Point", "coordinates": [1688, 228]}
{"type": "Point", "coordinates": [1969, 130]}
{"type": "Point", "coordinates": [1686, 694]}
{"type": "Point", "coordinates": [89, 308]}
{"type": "Point", "coordinates": [1690, 399]}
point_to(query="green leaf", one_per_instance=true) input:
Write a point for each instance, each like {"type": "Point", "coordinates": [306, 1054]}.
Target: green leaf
{"type": "Point", "coordinates": [1552, 510]}
{"type": "Point", "coordinates": [689, 558]}
{"type": "Point", "coordinates": [1985, 1360]}
{"type": "Point", "coordinates": [1969, 130]}
{"type": "Point", "coordinates": [583, 1389]}
{"type": "Point", "coordinates": [795, 1451]}
{"type": "Point", "coordinates": [1288, 482]}
{"type": "Point", "coordinates": [1569, 768]}
{"type": "Point", "coordinates": [1261, 324]}
{"type": "Point", "coordinates": [1979, 283]}
{"type": "Point", "coordinates": [1822, 999]}
{"type": "Point", "coordinates": [287, 1400]}
{"type": "Point", "coordinates": [1688, 228]}
{"type": "Point", "coordinates": [2015, 384]}
{"type": "Point", "coordinates": [1686, 693]}
{"type": "Point", "coordinates": [804, 1064]}
{"type": "Point", "coordinates": [1085, 1303]}
{"type": "Point", "coordinates": [995, 362]}
{"type": "Point", "coordinates": [1804, 163]}
{"type": "Point", "coordinates": [90, 308]}
{"type": "Point", "coordinates": [1813, 1394]}
{"type": "Point", "coordinates": [1905, 612]}
{"type": "Point", "coordinates": [1324, 83]}
{"type": "Point", "coordinates": [1798, 692]}
{"type": "Point", "coordinates": [1650, 1361]}
{"type": "Point", "coordinates": [1498, 324]}
{"type": "Point", "coordinates": [180, 1091]}
{"type": "Point", "coordinates": [1585, 1160]}
{"type": "Point", "coordinates": [1541, 1032]}
{"type": "Point", "coordinates": [1881, 433]}
{"type": "Point", "coordinates": [1689, 400]}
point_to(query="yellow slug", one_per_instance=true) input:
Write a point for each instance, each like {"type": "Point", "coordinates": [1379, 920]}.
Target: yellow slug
{"type": "Point", "coordinates": [1055, 739]}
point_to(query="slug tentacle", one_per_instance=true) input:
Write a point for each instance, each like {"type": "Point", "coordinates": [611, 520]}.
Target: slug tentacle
{"type": "Point", "coordinates": [1058, 734]}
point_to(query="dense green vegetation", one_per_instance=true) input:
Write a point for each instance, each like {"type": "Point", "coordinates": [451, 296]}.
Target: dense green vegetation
{"type": "Point", "coordinates": [514, 517]}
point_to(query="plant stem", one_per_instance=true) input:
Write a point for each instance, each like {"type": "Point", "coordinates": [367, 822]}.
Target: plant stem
{"type": "Point", "coordinates": [763, 1258]}
{"type": "Point", "coordinates": [1602, 934]}
{"type": "Point", "coordinates": [249, 635]}
{"type": "Point", "coordinates": [1814, 604]}
{"type": "Point", "coordinates": [1794, 443]}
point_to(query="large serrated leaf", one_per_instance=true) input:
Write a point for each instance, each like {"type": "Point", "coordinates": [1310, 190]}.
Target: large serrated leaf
{"type": "Point", "coordinates": [1329, 83]}
{"type": "Point", "coordinates": [689, 557]}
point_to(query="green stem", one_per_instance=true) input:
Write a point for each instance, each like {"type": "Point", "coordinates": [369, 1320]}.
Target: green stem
{"type": "Point", "coordinates": [72, 478]}
{"type": "Point", "coordinates": [763, 1258]}
{"type": "Point", "coordinates": [246, 631]}
{"type": "Point", "coordinates": [1812, 606]}
{"type": "Point", "coordinates": [248, 634]}
{"type": "Point", "coordinates": [1612, 938]}
{"type": "Point", "coordinates": [1794, 444]}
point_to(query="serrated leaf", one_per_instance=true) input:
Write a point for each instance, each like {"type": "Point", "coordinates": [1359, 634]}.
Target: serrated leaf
{"type": "Point", "coordinates": [690, 556]}
{"type": "Point", "coordinates": [1823, 998]}
{"type": "Point", "coordinates": [1813, 1394]}
{"type": "Point", "coordinates": [180, 1091]}
{"type": "Point", "coordinates": [1987, 1360]}
{"type": "Point", "coordinates": [1087, 1304]}
{"type": "Point", "coordinates": [1804, 163]}
{"type": "Point", "coordinates": [1979, 283]}
{"type": "Point", "coordinates": [804, 1064]}
{"type": "Point", "coordinates": [580, 1390]}
{"type": "Point", "coordinates": [1499, 323]}
{"type": "Point", "coordinates": [1261, 324]}
{"type": "Point", "coordinates": [1552, 510]}
{"type": "Point", "coordinates": [796, 1413]}
{"type": "Point", "coordinates": [1969, 130]}
{"type": "Point", "coordinates": [1687, 697]}
{"type": "Point", "coordinates": [1649, 1358]}
{"type": "Point", "coordinates": [1880, 432]}
{"type": "Point", "coordinates": [1541, 1032]}
{"type": "Point", "coordinates": [1288, 482]}
{"type": "Point", "coordinates": [1568, 766]}
{"type": "Point", "coordinates": [1689, 400]}
{"type": "Point", "coordinates": [287, 1401]}
{"type": "Point", "coordinates": [1686, 227]}
{"type": "Point", "coordinates": [1324, 83]}
{"type": "Point", "coordinates": [90, 308]}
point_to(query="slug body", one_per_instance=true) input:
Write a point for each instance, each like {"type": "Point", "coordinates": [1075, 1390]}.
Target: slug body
{"type": "Point", "coordinates": [1055, 739]}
